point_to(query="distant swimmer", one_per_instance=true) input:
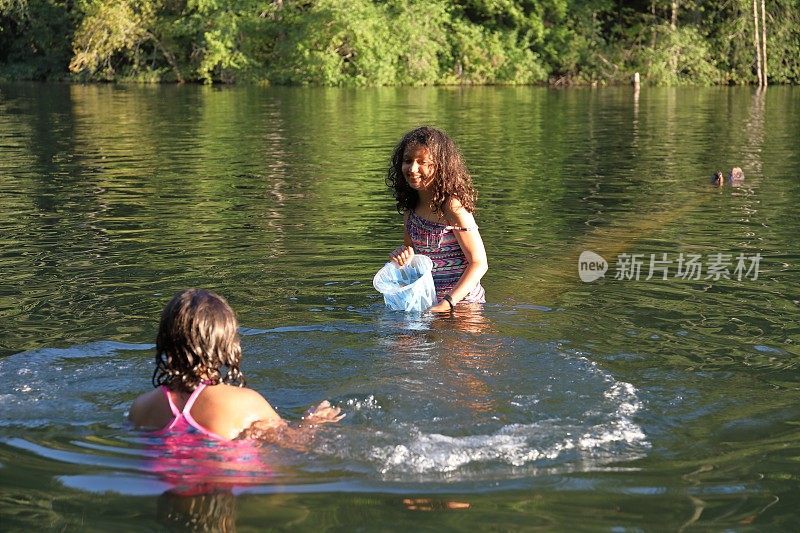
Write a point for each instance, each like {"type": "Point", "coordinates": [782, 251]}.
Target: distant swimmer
{"type": "Point", "coordinates": [735, 177]}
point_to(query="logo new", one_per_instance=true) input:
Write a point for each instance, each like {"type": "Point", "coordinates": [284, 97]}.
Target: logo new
{"type": "Point", "coordinates": [591, 266]}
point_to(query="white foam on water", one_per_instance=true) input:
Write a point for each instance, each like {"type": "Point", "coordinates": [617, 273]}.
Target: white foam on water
{"type": "Point", "coordinates": [440, 453]}
{"type": "Point", "coordinates": [556, 442]}
{"type": "Point", "coordinates": [367, 404]}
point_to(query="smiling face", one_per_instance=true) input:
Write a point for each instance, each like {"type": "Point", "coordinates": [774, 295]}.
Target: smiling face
{"type": "Point", "coordinates": [418, 167]}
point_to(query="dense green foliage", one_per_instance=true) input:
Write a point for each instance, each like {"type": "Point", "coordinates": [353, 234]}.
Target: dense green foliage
{"type": "Point", "coordinates": [390, 42]}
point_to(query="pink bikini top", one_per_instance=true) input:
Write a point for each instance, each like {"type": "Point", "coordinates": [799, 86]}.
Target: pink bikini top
{"type": "Point", "coordinates": [183, 420]}
{"type": "Point", "coordinates": [196, 461]}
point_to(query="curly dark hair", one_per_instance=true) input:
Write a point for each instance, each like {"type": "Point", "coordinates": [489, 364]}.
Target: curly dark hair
{"type": "Point", "coordinates": [451, 177]}
{"type": "Point", "coordinates": [197, 337]}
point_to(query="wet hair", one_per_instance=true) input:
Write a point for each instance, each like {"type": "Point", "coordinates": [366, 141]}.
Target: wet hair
{"type": "Point", "coordinates": [451, 177]}
{"type": "Point", "coordinates": [197, 339]}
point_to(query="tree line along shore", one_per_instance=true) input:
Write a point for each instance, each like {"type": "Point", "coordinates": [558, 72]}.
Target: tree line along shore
{"type": "Point", "coordinates": [402, 42]}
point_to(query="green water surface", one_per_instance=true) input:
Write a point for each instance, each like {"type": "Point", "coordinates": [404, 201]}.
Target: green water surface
{"type": "Point", "coordinates": [112, 198]}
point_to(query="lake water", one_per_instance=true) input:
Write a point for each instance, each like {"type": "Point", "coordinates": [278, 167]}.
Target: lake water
{"type": "Point", "coordinates": [620, 404]}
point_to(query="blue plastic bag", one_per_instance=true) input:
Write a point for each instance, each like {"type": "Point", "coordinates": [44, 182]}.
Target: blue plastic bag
{"type": "Point", "coordinates": [408, 288]}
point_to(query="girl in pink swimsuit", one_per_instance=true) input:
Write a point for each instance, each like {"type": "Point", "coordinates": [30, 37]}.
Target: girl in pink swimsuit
{"type": "Point", "coordinates": [199, 404]}
{"type": "Point", "coordinates": [434, 191]}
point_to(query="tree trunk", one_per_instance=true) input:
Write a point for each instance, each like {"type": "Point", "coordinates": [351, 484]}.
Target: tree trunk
{"type": "Point", "coordinates": [757, 43]}
{"type": "Point", "coordinates": [673, 21]}
{"type": "Point", "coordinates": [673, 24]}
{"type": "Point", "coordinates": [764, 43]}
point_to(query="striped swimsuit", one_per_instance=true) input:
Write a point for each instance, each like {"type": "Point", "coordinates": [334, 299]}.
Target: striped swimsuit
{"type": "Point", "coordinates": [438, 242]}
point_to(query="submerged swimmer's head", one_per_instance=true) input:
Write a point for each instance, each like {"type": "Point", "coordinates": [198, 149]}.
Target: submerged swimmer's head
{"type": "Point", "coordinates": [198, 340]}
{"type": "Point", "coordinates": [735, 177]}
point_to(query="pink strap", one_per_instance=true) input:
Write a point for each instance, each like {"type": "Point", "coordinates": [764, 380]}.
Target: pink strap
{"type": "Point", "coordinates": [193, 398]}
{"type": "Point", "coordinates": [185, 415]}
{"type": "Point", "coordinates": [172, 406]}
{"type": "Point", "coordinates": [189, 402]}
{"type": "Point", "coordinates": [190, 419]}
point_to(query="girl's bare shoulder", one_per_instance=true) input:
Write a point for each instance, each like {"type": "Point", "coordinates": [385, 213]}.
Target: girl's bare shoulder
{"type": "Point", "coordinates": [223, 392]}
{"type": "Point", "coordinates": [457, 214]}
{"type": "Point", "coordinates": [149, 409]}
{"type": "Point", "coordinates": [228, 398]}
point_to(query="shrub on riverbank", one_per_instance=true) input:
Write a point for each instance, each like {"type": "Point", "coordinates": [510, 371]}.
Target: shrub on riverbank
{"type": "Point", "coordinates": [396, 42]}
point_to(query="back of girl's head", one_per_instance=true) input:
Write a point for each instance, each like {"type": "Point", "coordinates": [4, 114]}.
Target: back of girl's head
{"type": "Point", "coordinates": [198, 340]}
{"type": "Point", "coordinates": [451, 177]}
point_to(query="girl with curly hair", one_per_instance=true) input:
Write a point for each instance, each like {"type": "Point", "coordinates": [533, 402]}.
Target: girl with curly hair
{"type": "Point", "coordinates": [434, 191]}
{"type": "Point", "coordinates": [199, 386]}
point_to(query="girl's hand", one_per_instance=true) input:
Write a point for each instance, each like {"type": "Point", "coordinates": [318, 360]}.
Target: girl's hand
{"type": "Point", "coordinates": [441, 307]}
{"type": "Point", "coordinates": [402, 254]}
{"type": "Point", "coordinates": [322, 414]}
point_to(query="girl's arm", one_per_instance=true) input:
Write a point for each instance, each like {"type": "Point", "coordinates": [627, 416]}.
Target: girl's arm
{"type": "Point", "coordinates": [405, 252]}
{"type": "Point", "coordinates": [472, 246]}
{"type": "Point", "coordinates": [293, 436]}
{"type": "Point", "coordinates": [257, 410]}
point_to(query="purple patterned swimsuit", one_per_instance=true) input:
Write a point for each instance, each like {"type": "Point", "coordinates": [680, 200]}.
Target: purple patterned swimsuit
{"type": "Point", "coordinates": [438, 242]}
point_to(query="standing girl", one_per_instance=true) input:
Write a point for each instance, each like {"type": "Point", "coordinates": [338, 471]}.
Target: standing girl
{"type": "Point", "coordinates": [434, 191]}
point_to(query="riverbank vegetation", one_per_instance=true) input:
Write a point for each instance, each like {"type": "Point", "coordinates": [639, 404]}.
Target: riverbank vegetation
{"type": "Point", "coordinates": [402, 42]}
